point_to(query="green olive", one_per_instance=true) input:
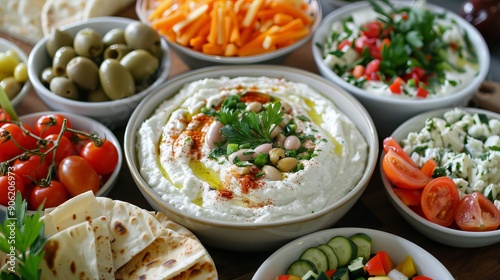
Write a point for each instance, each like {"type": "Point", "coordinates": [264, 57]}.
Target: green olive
{"type": "Point", "coordinates": [83, 72]}
{"type": "Point", "coordinates": [56, 40]}
{"type": "Point", "coordinates": [61, 58]}
{"type": "Point", "coordinates": [64, 87]}
{"type": "Point", "coordinates": [47, 75]}
{"type": "Point", "coordinates": [114, 36]}
{"type": "Point", "coordinates": [141, 36]}
{"type": "Point", "coordinates": [116, 80]}
{"type": "Point", "coordinates": [97, 95]}
{"type": "Point", "coordinates": [116, 51]}
{"type": "Point", "coordinates": [141, 64]}
{"type": "Point", "coordinates": [11, 87]}
{"type": "Point", "coordinates": [88, 43]}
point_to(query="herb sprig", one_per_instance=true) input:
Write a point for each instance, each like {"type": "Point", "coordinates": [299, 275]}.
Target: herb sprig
{"type": "Point", "coordinates": [24, 239]}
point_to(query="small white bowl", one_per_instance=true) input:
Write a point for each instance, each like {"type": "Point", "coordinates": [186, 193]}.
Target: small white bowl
{"type": "Point", "coordinates": [81, 123]}
{"type": "Point", "coordinates": [397, 248]}
{"type": "Point", "coordinates": [195, 59]}
{"type": "Point", "coordinates": [6, 45]}
{"type": "Point", "coordinates": [249, 236]}
{"type": "Point", "coordinates": [388, 111]}
{"type": "Point", "coordinates": [449, 236]}
{"type": "Point", "coordinates": [113, 113]}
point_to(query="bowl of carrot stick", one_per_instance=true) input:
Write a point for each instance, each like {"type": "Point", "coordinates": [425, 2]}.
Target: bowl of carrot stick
{"type": "Point", "coordinates": [215, 32]}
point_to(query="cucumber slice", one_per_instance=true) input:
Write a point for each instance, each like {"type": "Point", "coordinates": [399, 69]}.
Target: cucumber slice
{"type": "Point", "coordinates": [357, 268]}
{"type": "Point", "coordinates": [301, 267]}
{"type": "Point", "coordinates": [364, 244]}
{"type": "Point", "coordinates": [341, 274]}
{"type": "Point", "coordinates": [322, 276]}
{"type": "Point", "coordinates": [344, 248]}
{"type": "Point", "coordinates": [317, 257]}
{"type": "Point", "coordinates": [333, 261]}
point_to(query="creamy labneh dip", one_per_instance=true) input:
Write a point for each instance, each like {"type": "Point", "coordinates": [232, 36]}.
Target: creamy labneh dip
{"type": "Point", "coordinates": [250, 149]}
{"type": "Point", "coordinates": [405, 52]}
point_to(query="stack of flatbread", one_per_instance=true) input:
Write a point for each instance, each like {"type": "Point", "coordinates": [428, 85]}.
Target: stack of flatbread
{"type": "Point", "coordinates": [31, 20]}
{"type": "Point", "coordinates": [100, 238]}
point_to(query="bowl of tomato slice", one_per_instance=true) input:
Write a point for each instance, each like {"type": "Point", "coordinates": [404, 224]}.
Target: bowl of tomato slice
{"type": "Point", "coordinates": [50, 157]}
{"type": "Point", "coordinates": [440, 171]}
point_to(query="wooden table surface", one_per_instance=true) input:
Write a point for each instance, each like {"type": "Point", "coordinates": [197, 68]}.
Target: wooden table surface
{"type": "Point", "coordinates": [373, 210]}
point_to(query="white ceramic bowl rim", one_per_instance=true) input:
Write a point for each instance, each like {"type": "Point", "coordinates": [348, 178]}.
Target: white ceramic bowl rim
{"type": "Point", "coordinates": [8, 45]}
{"type": "Point", "coordinates": [103, 105]}
{"type": "Point", "coordinates": [176, 83]}
{"type": "Point", "coordinates": [479, 42]}
{"type": "Point", "coordinates": [314, 7]}
{"type": "Point", "coordinates": [318, 236]}
{"type": "Point", "coordinates": [388, 185]}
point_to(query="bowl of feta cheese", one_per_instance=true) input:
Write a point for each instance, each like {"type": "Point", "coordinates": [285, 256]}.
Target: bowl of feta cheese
{"type": "Point", "coordinates": [441, 172]}
{"type": "Point", "coordinates": [401, 58]}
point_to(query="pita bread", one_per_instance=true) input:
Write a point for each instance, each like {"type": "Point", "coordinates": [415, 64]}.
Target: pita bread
{"type": "Point", "coordinates": [132, 229]}
{"type": "Point", "coordinates": [71, 254]}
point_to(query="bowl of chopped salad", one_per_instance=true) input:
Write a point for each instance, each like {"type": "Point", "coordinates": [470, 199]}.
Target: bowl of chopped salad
{"type": "Point", "coordinates": [440, 170]}
{"type": "Point", "coordinates": [351, 253]}
{"type": "Point", "coordinates": [401, 58]}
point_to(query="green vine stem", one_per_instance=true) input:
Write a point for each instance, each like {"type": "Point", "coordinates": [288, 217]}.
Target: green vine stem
{"type": "Point", "coordinates": [7, 106]}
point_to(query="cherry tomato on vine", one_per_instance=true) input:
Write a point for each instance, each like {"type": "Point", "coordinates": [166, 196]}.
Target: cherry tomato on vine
{"type": "Point", "coordinates": [13, 140]}
{"type": "Point", "coordinates": [10, 183]}
{"type": "Point", "coordinates": [402, 173]}
{"type": "Point", "coordinates": [4, 117]}
{"type": "Point", "coordinates": [439, 200]}
{"type": "Point", "coordinates": [64, 148]}
{"type": "Point", "coordinates": [475, 212]}
{"type": "Point", "coordinates": [52, 124]}
{"type": "Point", "coordinates": [31, 168]}
{"type": "Point", "coordinates": [78, 176]}
{"type": "Point", "coordinates": [103, 159]}
{"type": "Point", "coordinates": [50, 196]}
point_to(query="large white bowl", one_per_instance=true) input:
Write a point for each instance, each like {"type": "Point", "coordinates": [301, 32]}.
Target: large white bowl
{"type": "Point", "coordinates": [113, 113]}
{"type": "Point", "coordinates": [266, 235]}
{"type": "Point", "coordinates": [6, 45]}
{"type": "Point", "coordinates": [396, 247]}
{"type": "Point", "coordinates": [81, 123]}
{"type": "Point", "coordinates": [388, 112]}
{"type": "Point", "coordinates": [195, 59]}
{"type": "Point", "coordinates": [441, 234]}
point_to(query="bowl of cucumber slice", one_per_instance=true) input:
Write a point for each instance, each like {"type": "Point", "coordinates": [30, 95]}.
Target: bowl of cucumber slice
{"type": "Point", "coordinates": [350, 253]}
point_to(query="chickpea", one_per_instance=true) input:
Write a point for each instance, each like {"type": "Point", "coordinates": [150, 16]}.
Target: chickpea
{"type": "Point", "coordinates": [292, 142]}
{"type": "Point", "coordinates": [254, 107]}
{"type": "Point", "coordinates": [271, 173]}
{"type": "Point", "coordinates": [287, 164]}
{"type": "Point", "coordinates": [244, 170]}
{"type": "Point", "coordinates": [276, 154]}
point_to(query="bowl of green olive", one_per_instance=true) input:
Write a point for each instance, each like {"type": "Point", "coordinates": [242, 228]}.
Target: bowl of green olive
{"type": "Point", "coordinates": [101, 68]}
{"type": "Point", "coordinates": [13, 71]}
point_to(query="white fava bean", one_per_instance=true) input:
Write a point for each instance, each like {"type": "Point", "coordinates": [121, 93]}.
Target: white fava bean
{"type": "Point", "coordinates": [286, 119]}
{"type": "Point", "coordinates": [280, 140]}
{"type": "Point", "coordinates": [292, 142]}
{"type": "Point", "coordinates": [214, 135]}
{"type": "Point", "coordinates": [286, 107]}
{"type": "Point", "coordinates": [287, 164]}
{"type": "Point", "coordinates": [243, 155]}
{"type": "Point", "coordinates": [275, 155]}
{"type": "Point", "coordinates": [254, 107]}
{"type": "Point", "coordinates": [262, 149]}
{"type": "Point", "coordinates": [275, 131]}
{"type": "Point", "coordinates": [271, 173]}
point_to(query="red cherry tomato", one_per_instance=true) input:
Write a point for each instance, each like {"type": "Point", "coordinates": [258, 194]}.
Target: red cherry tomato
{"type": "Point", "coordinates": [10, 183]}
{"type": "Point", "coordinates": [475, 212]}
{"type": "Point", "coordinates": [103, 159]}
{"type": "Point", "coordinates": [439, 201]}
{"type": "Point", "coordinates": [31, 168]}
{"type": "Point", "coordinates": [78, 176]}
{"type": "Point", "coordinates": [13, 140]}
{"type": "Point", "coordinates": [50, 196]}
{"type": "Point", "coordinates": [4, 117]}
{"type": "Point", "coordinates": [64, 148]}
{"type": "Point", "coordinates": [52, 124]}
{"type": "Point", "coordinates": [401, 173]}
{"type": "Point", "coordinates": [392, 144]}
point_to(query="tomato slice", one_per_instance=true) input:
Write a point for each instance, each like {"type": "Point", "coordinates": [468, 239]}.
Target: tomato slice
{"type": "Point", "coordinates": [401, 173]}
{"type": "Point", "coordinates": [475, 212]}
{"type": "Point", "coordinates": [429, 167]}
{"type": "Point", "coordinates": [439, 201]}
{"type": "Point", "coordinates": [409, 197]}
{"type": "Point", "coordinates": [392, 144]}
